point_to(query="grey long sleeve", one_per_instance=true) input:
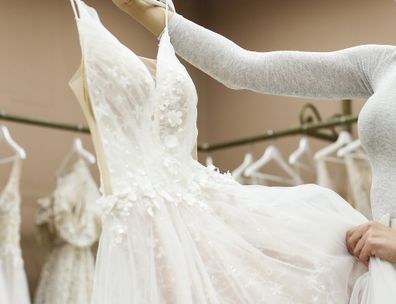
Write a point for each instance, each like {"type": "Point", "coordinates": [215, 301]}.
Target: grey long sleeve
{"type": "Point", "coordinates": [348, 73]}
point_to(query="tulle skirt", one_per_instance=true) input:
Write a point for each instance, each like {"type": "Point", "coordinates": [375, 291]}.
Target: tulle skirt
{"type": "Point", "coordinates": [254, 245]}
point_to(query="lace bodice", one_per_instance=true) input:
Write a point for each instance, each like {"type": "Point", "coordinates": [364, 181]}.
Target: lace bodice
{"type": "Point", "coordinates": [146, 124]}
{"type": "Point", "coordinates": [138, 116]}
{"type": "Point", "coordinates": [10, 217]}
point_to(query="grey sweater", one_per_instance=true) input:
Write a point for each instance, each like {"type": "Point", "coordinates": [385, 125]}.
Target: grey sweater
{"type": "Point", "coordinates": [365, 71]}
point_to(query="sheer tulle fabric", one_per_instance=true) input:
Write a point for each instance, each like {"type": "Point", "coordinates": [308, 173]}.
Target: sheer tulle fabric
{"type": "Point", "coordinates": [177, 232]}
{"type": "Point", "coordinates": [248, 249]}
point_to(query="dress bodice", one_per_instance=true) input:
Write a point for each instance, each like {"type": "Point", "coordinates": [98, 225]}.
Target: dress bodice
{"type": "Point", "coordinates": [144, 122]}
{"type": "Point", "coordinates": [143, 126]}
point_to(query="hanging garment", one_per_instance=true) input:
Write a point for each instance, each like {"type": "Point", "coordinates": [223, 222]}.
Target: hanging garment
{"type": "Point", "coordinates": [13, 282]}
{"type": "Point", "coordinates": [359, 175]}
{"type": "Point", "coordinates": [73, 217]}
{"type": "Point", "coordinates": [177, 232]}
{"type": "Point", "coordinates": [332, 175]}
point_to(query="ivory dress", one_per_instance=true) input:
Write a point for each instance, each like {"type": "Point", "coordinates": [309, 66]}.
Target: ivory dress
{"type": "Point", "coordinates": [177, 232]}
{"type": "Point", "coordinates": [13, 282]}
{"type": "Point", "coordinates": [74, 217]}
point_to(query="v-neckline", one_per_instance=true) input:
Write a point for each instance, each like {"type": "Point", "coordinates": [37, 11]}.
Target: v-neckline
{"type": "Point", "coordinates": [165, 33]}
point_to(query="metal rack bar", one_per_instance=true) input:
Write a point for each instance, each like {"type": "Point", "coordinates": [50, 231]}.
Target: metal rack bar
{"type": "Point", "coordinates": [41, 122]}
{"type": "Point", "coordinates": [307, 129]}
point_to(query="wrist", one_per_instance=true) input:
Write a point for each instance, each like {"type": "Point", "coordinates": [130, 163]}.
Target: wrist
{"type": "Point", "coordinates": [132, 7]}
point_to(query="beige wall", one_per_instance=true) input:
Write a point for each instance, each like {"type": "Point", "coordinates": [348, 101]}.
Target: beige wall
{"type": "Point", "coordinates": [39, 52]}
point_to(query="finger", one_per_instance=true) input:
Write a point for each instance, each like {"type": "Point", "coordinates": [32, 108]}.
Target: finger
{"type": "Point", "coordinates": [359, 245]}
{"type": "Point", "coordinates": [366, 252]}
{"type": "Point", "coordinates": [351, 231]}
{"type": "Point", "coordinates": [356, 235]}
{"type": "Point", "coordinates": [348, 235]}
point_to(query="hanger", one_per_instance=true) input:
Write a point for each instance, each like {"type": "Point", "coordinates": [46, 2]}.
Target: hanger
{"type": "Point", "coordinates": [19, 151]}
{"type": "Point", "coordinates": [303, 149]}
{"type": "Point", "coordinates": [343, 139]}
{"type": "Point", "coordinates": [238, 172]}
{"type": "Point", "coordinates": [273, 154]}
{"type": "Point", "coordinates": [77, 148]}
{"type": "Point", "coordinates": [355, 149]}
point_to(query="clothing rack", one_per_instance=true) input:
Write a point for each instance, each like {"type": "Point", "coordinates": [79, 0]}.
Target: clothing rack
{"type": "Point", "coordinates": [310, 124]}
{"type": "Point", "coordinates": [307, 129]}
{"type": "Point", "coordinates": [41, 122]}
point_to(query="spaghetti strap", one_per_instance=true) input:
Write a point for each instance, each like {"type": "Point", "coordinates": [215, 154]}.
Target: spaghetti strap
{"type": "Point", "coordinates": [166, 15]}
{"type": "Point", "coordinates": [73, 4]}
{"type": "Point", "coordinates": [16, 171]}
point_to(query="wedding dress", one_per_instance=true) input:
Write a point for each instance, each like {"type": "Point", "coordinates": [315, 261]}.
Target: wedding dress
{"type": "Point", "coordinates": [67, 276]}
{"type": "Point", "coordinates": [13, 282]}
{"type": "Point", "coordinates": [177, 232]}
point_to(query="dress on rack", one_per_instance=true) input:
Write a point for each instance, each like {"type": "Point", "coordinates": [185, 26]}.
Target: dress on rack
{"type": "Point", "coordinates": [332, 175]}
{"type": "Point", "coordinates": [67, 276]}
{"type": "Point", "coordinates": [359, 176]}
{"type": "Point", "coordinates": [13, 281]}
{"type": "Point", "coordinates": [177, 232]}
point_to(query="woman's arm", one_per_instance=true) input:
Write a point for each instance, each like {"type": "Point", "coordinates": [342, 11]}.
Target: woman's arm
{"type": "Point", "coordinates": [349, 73]}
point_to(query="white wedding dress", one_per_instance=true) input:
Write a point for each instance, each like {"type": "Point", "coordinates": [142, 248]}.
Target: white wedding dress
{"type": "Point", "coordinates": [67, 276]}
{"type": "Point", "coordinates": [13, 282]}
{"type": "Point", "coordinates": [177, 232]}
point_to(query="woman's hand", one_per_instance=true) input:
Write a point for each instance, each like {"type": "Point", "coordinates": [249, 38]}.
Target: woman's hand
{"type": "Point", "coordinates": [128, 6]}
{"type": "Point", "coordinates": [150, 16]}
{"type": "Point", "coordinates": [372, 239]}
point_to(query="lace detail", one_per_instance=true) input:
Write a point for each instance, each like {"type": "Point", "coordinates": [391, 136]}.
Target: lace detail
{"type": "Point", "coordinates": [172, 112]}
{"type": "Point", "coordinates": [176, 113]}
{"type": "Point", "coordinates": [151, 197]}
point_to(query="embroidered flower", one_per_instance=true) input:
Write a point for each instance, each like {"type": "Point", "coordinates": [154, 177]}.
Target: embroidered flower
{"type": "Point", "coordinates": [175, 118]}
{"type": "Point", "coordinates": [119, 233]}
{"type": "Point", "coordinates": [165, 104]}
